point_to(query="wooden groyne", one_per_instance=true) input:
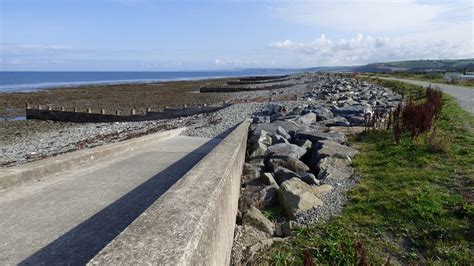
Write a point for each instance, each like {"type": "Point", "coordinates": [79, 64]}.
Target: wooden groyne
{"type": "Point", "coordinates": [49, 113]}
{"type": "Point", "coordinates": [255, 84]}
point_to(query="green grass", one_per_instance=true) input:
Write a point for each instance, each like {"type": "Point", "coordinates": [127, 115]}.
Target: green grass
{"type": "Point", "coordinates": [414, 203]}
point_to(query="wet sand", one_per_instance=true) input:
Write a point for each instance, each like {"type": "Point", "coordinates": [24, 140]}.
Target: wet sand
{"type": "Point", "coordinates": [121, 97]}
{"type": "Point", "coordinates": [112, 97]}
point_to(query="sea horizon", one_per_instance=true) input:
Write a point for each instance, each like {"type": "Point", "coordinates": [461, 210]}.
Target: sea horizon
{"type": "Point", "coordinates": [29, 81]}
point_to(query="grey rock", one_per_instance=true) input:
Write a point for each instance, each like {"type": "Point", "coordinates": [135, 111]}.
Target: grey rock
{"type": "Point", "coordinates": [257, 162]}
{"type": "Point", "coordinates": [322, 113]}
{"type": "Point", "coordinates": [282, 174]}
{"type": "Point", "coordinates": [337, 121]}
{"type": "Point", "coordinates": [257, 150]}
{"type": "Point", "coordinates": [326, 148]}
{"type": "Point", "coordinates": [306, 119]}
{"type": "Point", "coordinates": [255, 218]}
{"type": "Point", "coordinates": [268, 179]}
{"type": "Point", "coordinates": [250, 169]}
{"type": "Point", "coordinates": [290, 163]}
{"type": "Point", "coordinates": [352, 110]}
{"type": "Point", "coordinates": [356, 120]}
{"type": "Point", "coordinates": [335, 168]}
{"type": "Point", "coordinates": [276, 139]}
{"type": "Point", "coordinates": [261, 119]}
{"type": "Point", "coordinates": [256, 194]}
{"type": "Point", "coordinates": [285, 149]}
{"type": "Point", "coordinates": [273, 127]}
{"type": "Point", "coordinates": [304, 143]}
{"type": "Point", "coordinates": [316, 135]}
{"type": "Point", "coordinates": [262, 136]}
{"type": "Point", "coordinates": [282, 132]}
{"type": "Point", "coordinates": [309, 178]}
{"type": "Point", "coordinates": [275, 108]}
{"type": "Point", "coordinates": [267, 197]}
{"type": "Point", "coordinates": [296, 197]}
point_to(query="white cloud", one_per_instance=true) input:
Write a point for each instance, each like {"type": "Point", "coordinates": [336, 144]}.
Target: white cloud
{"type": "Point", "coordinates": [243, 63]}
{"type": "Point", "coordinates": [392, 30]}
{"type": "Point", "coordinates": [366, 49]}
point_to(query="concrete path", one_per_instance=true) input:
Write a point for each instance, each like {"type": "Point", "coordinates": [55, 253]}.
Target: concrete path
{"type": "Point", "coordinates": [68, 218]}
{"type": "Point", "coordinates": [464, 95]}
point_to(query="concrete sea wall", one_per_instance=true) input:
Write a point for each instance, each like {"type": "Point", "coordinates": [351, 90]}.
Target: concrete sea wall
{"type": "Point", "coordinates": [193, 222]}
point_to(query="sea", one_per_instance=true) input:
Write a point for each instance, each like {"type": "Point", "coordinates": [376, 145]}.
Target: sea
{"type": "Point", "coordinates": [28, 81]}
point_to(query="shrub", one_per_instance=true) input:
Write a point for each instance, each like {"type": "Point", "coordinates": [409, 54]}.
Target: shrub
{"type": "Point", "coordinates": [417, 117]}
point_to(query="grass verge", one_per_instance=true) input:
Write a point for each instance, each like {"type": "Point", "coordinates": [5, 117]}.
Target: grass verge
{"type": "Point", "coordinates": [413, 204]}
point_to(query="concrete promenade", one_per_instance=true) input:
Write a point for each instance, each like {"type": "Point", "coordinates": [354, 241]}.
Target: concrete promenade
{"type": "Point", "coordinates": [68, 218]}
{"type": "Point", "coordinates": [464, 95]}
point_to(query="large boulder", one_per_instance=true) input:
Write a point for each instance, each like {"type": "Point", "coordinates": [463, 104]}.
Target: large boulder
{"type": "Point", "coordinates": [322, 113]}
{"type": "Point", "coordinates": [326, 148]}
{"type": "Point", "coordinates": [257, 195]}
{"type": "Point", "coordinates": [315, 135]}
{"type": "Point", "coordinates": [276, 139]}
{"type": "Point", "coordinates": [291, 163]}
{"type": "Point", "coordinates": [287, 125]}
{"type": "Point", "coordinates": [357, 120]}
{"type": "Point", "coordinates": [257, 150]}
{"type": "Point", "coordinates": [250, 169]}
{"type": "Point", "coordinates": [262, 136]}
{"type": "Point", "coordinates": [267, 197]}
{"type": "Point", "coordinates": [282, 174]}
{"type": "Point", "coordinates": [282, 132]}
{"type": "Point", "coordinates": [268, 179]}
{"type": "Point", "coordinates": [304, 143]}
{"type": "Point", "coordinates": [337, 121]}
{"type": "Point", "coordinates": [296, 197]}
{"type": "Point", "coordinates": [309, 178]}
{"type": "Point", "coordinates": [255, 218]}
{"type": "Point", "coordinates": [275, 108]}
{"type": "Point", "coordinates": [353, 110]}
{"type": "Point", "coordinates": [335, 168]}
{"type": "Point", "coordinates": [258, 142]}
{"type": "Point", "coordinates": [306, 119]}
{"type": "Point", "coordinates": [285, 149]}
{"type": "Point", "coordinates": [261, 119]}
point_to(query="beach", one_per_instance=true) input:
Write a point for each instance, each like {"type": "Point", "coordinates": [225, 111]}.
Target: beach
{"type": "Point", "coordinates": [28, 140]}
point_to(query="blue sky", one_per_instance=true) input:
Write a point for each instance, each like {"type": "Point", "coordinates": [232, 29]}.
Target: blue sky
{"type": "Point", "coordinates": [198, 35]}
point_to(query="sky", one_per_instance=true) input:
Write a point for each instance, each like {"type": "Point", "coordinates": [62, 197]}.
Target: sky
{"type": "Point", "coordinates": [158, 35]}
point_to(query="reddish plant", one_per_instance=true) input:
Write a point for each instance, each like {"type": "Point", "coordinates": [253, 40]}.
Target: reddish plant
{"type": "Point", "coordinates": [417, 118]}
{"type": "Point", "coordinates": [434, 97]}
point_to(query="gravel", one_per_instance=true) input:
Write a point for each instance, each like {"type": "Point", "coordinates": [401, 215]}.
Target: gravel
{"type": "Point", "coordinates": [213, 125]}
{"type": "Point", "coordinates": [45, 144]}
{"type": "Point", "coordinates": [334, 202]}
